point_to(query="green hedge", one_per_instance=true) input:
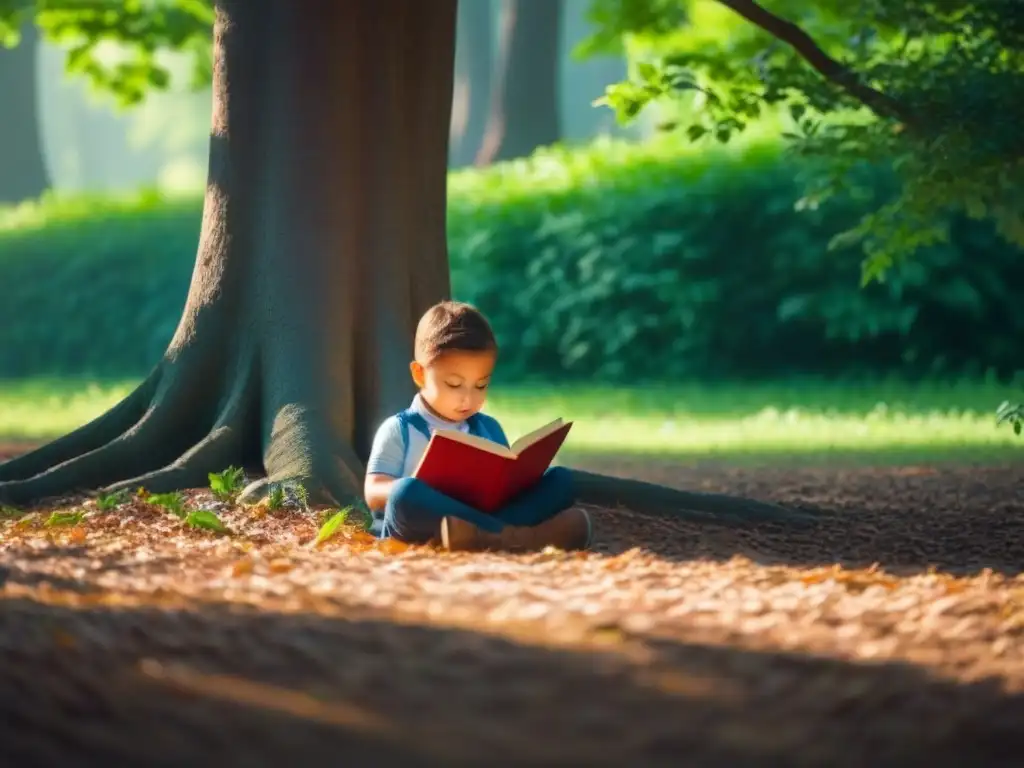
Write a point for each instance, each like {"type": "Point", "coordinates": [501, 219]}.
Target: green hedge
{"type": "Point", "coordinates": [615, 262]}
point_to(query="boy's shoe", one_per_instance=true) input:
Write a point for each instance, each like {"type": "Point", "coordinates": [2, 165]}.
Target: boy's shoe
{"type": "Point", "coordinates": [568, 530]}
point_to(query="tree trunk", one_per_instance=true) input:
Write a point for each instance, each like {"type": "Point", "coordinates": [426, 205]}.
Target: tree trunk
{"type": "Point", "coordinates": [322, 242]}
{"type": "Point", "coordinates": [524, 100]}
{"type": "Point", "coordinates": [471, 100]}
{"type": "Point", "coordinates": [22, 165]}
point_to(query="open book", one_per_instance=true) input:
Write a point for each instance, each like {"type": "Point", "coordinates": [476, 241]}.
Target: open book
{"type": "Point", "coordinates": [484, 474]}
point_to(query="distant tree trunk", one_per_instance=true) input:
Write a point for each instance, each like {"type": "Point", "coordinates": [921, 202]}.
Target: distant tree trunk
{"type": "Point", "coordinates": [322, 242]}
{"type": "Point", "coordinates": [524, 98]}
{"type": "Point", "coordinates": [23, 173]}
{"type": "Point", "coordinates": [471, 101]}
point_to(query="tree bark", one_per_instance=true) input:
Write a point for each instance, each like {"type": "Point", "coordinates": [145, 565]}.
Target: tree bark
{"type": "Point", "coordinates": [23, 173]}
{"type": "Point", "coordinates": [524, 101]}
{"type": "Point", "coordinates": [471, 100]}
{"type": "Point", "coordinates": [322, 242]}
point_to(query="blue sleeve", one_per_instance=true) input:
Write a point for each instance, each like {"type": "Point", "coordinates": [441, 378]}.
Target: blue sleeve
{"type": "Point", "coordinates": [387, 456]}
{"type": "Point", "coordinates": [497, 432]}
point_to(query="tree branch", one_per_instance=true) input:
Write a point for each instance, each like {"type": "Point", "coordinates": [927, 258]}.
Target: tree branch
{"type": "Point", "coordinates": [801, 42]}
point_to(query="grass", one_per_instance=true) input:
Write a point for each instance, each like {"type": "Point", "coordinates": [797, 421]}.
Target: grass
{"type": "Point", "coordinates": [805, 422]}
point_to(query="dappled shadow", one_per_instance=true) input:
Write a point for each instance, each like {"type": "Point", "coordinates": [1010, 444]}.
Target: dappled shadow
{"type": "Point", "coordinates": [212, 685]}
{"type": "Point", "coordinates": [959, 520]}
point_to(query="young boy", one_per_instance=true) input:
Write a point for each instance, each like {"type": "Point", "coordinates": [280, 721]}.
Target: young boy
{"type": "Point", "coordinates": [455, 353]}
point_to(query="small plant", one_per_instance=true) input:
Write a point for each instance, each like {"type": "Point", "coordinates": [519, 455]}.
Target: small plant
{"type": "Point", "coordinates": [1012, 414]}
{"type": "Point", "coordinates": [301, 495]}
{"type": "Point", "coordinates": [10, 512]}
{"type": "Point", "coordinates": [331, 525]}
{"type": "Point", "coordinates": [105, 502]}
{"type": "Point", "coordinates": [207, 520]}
{"type": "Point", "coordinates": [64, 518]}
{"type": "Point", "coordinates": [275, 500]}
{"type": "Point", "coordinates": [364, 512]}
{"type": "Point", "coordinates": [227, 485]}
{"type": "Point", "coordinates": [172, 502]}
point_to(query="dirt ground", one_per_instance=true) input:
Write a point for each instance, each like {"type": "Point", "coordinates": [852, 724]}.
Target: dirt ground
{"type": "Point", "coordinates": [890, 632]}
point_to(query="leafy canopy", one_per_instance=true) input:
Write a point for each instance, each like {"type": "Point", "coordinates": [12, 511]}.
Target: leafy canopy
{"type": "Point", "coordinates": [114, 43]}
{"type": "Point", "coordinates": [930, 88]}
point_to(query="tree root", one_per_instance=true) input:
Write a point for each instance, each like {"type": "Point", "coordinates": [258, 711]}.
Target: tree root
{"type": "Point", "coordinates": [87, 438]}
{"type": "Point", "coordinates": [168, 443]}
{"type": "Point", "coordinates": [660, 500]}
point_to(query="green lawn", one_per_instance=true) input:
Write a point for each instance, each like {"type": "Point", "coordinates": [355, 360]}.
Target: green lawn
{"type": "Point", "coordinates": [808, 422]}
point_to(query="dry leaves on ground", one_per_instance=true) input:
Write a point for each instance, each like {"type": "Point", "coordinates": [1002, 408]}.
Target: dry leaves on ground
{"type": "Point", "coordinates": [892, 631]}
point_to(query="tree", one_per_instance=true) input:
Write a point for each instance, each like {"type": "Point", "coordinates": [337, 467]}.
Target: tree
{"type": "Point", "coordinates": [472, 81]}
{"type": "Point", "coordinates": [524, 100]}
{"type": "Point", "coordinates": [929, 88]}
{"type": "Point", "coordinates": [23, 174]}
{"type": "Point", "coordinates": [323, 239]}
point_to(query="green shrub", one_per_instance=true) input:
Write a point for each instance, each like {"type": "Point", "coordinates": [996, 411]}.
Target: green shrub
{"type": "Point", "coordinates": [614, 262]}
{"type": "Point", "coordinates": [656, 263]}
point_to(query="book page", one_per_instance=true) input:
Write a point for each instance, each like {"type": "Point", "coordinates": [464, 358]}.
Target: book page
{"type": "Point", "coordinates": [477, 442]}
{"type": "Point", "coordinates": [532, 437]}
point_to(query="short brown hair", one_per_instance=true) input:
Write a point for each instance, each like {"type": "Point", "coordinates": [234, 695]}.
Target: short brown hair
{"type": "Point", "coordinates": [452, 326]}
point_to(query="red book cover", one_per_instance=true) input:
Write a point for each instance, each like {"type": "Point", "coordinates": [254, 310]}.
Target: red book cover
{"type": "Point", "coordinates": [484, 474]}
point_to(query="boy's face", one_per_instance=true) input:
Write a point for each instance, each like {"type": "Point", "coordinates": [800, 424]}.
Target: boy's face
{"type": "Point", "coordinates": [455, 384]}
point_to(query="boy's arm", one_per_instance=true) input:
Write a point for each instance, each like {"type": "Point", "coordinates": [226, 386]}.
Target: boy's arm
{"type": "Point", "coordinates": [385, 465]}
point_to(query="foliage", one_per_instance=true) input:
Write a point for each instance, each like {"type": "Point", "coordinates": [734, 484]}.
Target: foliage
{"type": "Point", "coordinates": [1012, 414]}
{"type": "Point", "coordinates": [931, 88]}
{"type": "Point", "coordinates": [64, 518]}
{"type": "Point", "coordinates": [114, 44]}
{"type": "Point", "coordinates": [331, 526]}
{"type": "Point", "coordinates": [105, 502]}
{"type": "Point", "coordinates": [173, 502]}
{"type": "Point", "coordinates": [616, 263]}
{"type": "Point", "coordinates": [275, 499]}
{"type": "Point", "coordinates": [228, 484]}
{"type": "Point", "coordinates": [207, 520]}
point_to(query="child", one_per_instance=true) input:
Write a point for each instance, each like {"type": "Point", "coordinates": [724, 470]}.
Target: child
{"type": "Point", "coordinates": [455, 353]}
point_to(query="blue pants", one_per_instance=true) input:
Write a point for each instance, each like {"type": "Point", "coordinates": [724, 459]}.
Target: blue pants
{"type": "Point", "coordinates": [414, 510]}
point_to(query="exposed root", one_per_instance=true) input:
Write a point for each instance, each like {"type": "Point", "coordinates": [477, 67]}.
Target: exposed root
{"type": "Point", "coordinates": [222, 447]}
{"type": "Point", "coordinates": [648, 498]}
{"type": "Point", "coordinates": [89, 437]}
{"type": "Point", "coordinates": [302, 449]}
{"type": "Point", "coordinates": [213, 453]}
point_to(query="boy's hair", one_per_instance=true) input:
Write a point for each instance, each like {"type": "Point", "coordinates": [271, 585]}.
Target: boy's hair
{"type": "Point", "coordinates": [452, 326]}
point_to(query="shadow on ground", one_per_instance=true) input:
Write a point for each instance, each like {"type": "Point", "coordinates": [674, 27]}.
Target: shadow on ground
{"type": "Point", "coordinates": [102, 686]}
{"type": "Point", "coordinates": [958, 520]}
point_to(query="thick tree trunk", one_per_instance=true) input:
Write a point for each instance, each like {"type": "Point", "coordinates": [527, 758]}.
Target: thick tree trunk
{"type": "Point", "coordinates": [23, 173]}
{"type": "Point", "coordinates": [471, 100]}
{"type": "Point", "coordinates": [524, 99]}
{"type": "Point", "coordinates": [323, 240]}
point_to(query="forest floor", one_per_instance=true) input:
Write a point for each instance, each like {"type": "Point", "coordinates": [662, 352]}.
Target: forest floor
{"type": "Point", "coordinates": [890, 632]}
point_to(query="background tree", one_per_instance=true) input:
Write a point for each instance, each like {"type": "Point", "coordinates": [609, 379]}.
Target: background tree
{"type": "Point", "coordinates": [323, 240]}
{"type": "Point", "coordinates": [23, 174]}
{"type": "Point", "coordinates": [524, 110]}
{"type": "Point", "coordinates": [471, 102]}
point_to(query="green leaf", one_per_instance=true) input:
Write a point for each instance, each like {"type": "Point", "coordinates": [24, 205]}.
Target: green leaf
{"type": "Point", "coordinates": [646, 70]}
{"type": "Point", "coordinates": [204, 518]}
{"type": "Point", "coordinates": [226, 485]}
{"type": "Point", "coordinates": [64, 518]}
{"type": "Point", "coordinates": [331, 526]}
{"type": "Point", "coordinates": [275, 499]}
{"type": "Point", "coordinates": [109, 501]}
{"type": "Point", "coordinates": [172, 502]}
{"type": "Point", "coordinates": [695, 131]}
